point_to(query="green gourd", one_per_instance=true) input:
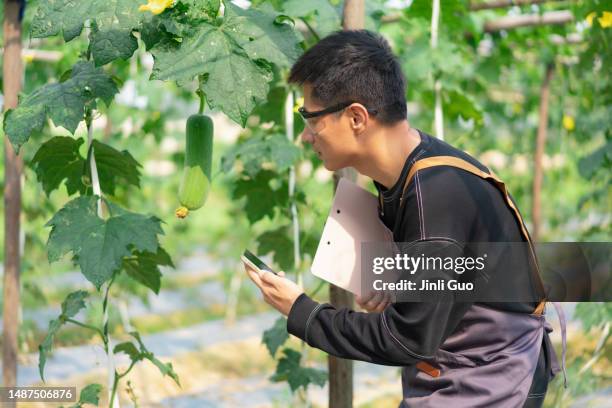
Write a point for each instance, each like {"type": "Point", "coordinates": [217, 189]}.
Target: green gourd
{"type": "Point", "coordinates": [195, 183]}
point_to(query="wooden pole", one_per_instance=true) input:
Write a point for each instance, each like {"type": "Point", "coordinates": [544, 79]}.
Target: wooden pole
{"type": "Point", "coordinates": [511, 22]}
{"type": "Point", "coordinates": [538, 174]}
{"type": "Point", "coordinates": [529, 20]}
{"type": "Point", "coordinates": [12, 72]}
{"type": "Point", "coordinates": [341, 370]}
{"type": "Point", "coordinates": [506, 3]}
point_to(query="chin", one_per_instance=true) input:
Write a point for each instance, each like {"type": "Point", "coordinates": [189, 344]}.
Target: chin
{"type": "Point", "coordinates": [333, 166]}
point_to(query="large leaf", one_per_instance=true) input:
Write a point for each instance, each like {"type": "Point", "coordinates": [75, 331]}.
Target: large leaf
{"type": "Point", "coordinates": [260, 150]}
{"type": "Point", "coordinates": [143, 267]}
{"type": "Point", "coordinates": [276, 335]}
{"type": "Point", "coordinates": [262, 34]}
{"type": "Point", "coordinates": [278, 242]}
{"type": "Point", "coordinates": [457, 103]}
{"type": "Point", "coordinates": [112, 24]}
{"type": "Point", "coordinates": [97, 245]}
{"type": "Point", "coordinates": [227, 54]}
{"type": "Point", "coordinates": [290, 370]}
{"type": "Point", "coordinates": [73, 303]}
{"type": "Point", "coordinates": [600, 158]}
{"type": "Point", "coordinates": [62, 102]}
{"type": "Point", "coordinates": [114, 166]}
{"type": "Point", "coordinates": [323, 16]}
{"type": "Point", "coordinates": [59, 159]}
{"type": "Point", "coordinates": [262, 196]}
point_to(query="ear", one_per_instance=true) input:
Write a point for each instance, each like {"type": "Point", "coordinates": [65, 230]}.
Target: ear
{"type": "Point", "coordinates": [358, 116]}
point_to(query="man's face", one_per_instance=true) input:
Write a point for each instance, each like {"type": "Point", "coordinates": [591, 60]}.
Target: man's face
{"type": "Point", "coordinates": [330, 135]}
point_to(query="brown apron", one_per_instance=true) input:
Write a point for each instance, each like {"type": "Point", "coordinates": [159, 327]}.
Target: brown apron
{"type": "Point", "coordinates": [491, 357]}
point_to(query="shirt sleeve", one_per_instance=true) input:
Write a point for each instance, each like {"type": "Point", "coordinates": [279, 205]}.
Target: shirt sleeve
{"type": "Point", "coordinates": [403, 334]}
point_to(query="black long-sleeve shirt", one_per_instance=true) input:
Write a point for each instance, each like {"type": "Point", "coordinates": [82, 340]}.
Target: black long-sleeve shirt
{"type": "Point", "coordinates": [442, 207]}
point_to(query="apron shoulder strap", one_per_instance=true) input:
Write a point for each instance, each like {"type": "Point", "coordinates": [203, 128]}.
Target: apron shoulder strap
{"type": "Point", "coordinates": [469, 167]}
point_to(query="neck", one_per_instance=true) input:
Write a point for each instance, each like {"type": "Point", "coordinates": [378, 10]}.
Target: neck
{"type": "Point", "coordinates": [386, 151]}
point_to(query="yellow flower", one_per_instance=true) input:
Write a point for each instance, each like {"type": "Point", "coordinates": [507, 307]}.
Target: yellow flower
{"type": "Point", "coordinates": [27, 58]}
{"type": "Point", "coordinates": [605, 20]}
{"type": "Point", "coordinates": [589, 18]}
{"type": "Point", "coordinates": [298, 103]}
{"type": "Point", "coordinates": [156, 6]}
{"type": "Point", "coordinates": [568, 123]}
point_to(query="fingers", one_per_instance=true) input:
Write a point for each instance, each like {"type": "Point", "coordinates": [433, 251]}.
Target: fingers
{"type": "Point", "coordinates": [253, 274]}
{"type": "Point", "coordinates": [362, 300]}
{"type": "Point", "coordinates": [269, 278]}
{"type": "Point", "coordinates": [374, 301]}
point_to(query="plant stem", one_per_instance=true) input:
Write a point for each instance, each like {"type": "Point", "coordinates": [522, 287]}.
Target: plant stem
{"type": "Point", "coordinates": [108, 348]}
{"type": "Point", "coordinates": [128, 370]}
{"type": "Point", "coordinates": [201, 94]}
{"type": "Point", "coordinates": [312, 31]}
{"type": "Point", "coordinates": [114, 389]}
{"type": "Point", "coordinates": [87, 326]}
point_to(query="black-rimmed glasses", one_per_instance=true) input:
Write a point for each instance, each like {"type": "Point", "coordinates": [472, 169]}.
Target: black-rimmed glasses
{"type": "Point", "coordinates": [332, 109]}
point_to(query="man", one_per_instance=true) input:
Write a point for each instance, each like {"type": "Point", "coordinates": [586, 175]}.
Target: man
{"type": "Point", "coordinates": [458, 353]}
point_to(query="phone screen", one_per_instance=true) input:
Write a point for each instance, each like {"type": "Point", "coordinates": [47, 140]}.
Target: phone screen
{"type": "Point", "coordinates": [256, 261]}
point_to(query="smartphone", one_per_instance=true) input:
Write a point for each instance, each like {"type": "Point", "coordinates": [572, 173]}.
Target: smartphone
{"type": "Point", "coordinates": [255, 262]}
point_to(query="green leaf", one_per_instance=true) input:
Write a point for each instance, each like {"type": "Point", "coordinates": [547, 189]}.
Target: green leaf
{"type": "Point", "coordinates": [259, 150]}
{"type": "Point", "coordinates": [278, 242]}
{"type": "Point", "coordinates": [74, 302]}
{"type": "Point", "coordinates": [452, 16]}
{"type": "Point", "coordinates": [114, 166]}
{"type": "Point", "coordinates": [89, 395]}
{"type": "Point", "coordinates": [261, 34]}
{"type": "Point", "coordinates": [593, 314]}
{"type": "Point", "coordinates": [273, 109]}
{"type": "Point", "coordinates": [276, 336]}
{"type": "Point", "coordinates": [64, 17]}
{"type": "Point", "coordinates": [58, 159]}
{"type": "Point", "coordinates": [98, 246]}
{"type": "Point", "coordinates": [228, 53]}
{"type": "Point", "coordinates": [457, 103]}
{"type": "Point", "coordinates": [71, 305]}
{"type": "Point", "coordinates": [112, 24]}
{"type": "Point", "coordinates": [261, 196]}
{"type": "Point", "coordinates": [289, 369]}
{"type": "Point", "coordinates": [47, 344]}
{"type": "Point", "coordinates": [164, 368]}
{"type": "Point", "coordinates": [143, 267]}
{"type": "Point", "coordinates": [64, 103]}
{"type": "Point", "coordinates": [600, 158]}
{"type": "Point", "coordinates": [323, 16]}
{"type": "Point", "coordinates": [211, 7]}
{"type": "Point", "coordinates": [230, 71]}
{"type": "Point", "coordinates": [128, 348]}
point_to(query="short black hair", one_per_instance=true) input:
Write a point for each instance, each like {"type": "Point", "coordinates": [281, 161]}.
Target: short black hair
{"type": "Point", "coordinates": [357, 66]}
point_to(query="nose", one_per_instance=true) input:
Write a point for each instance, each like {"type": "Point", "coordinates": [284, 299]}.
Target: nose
{"type": "Point", "coordinates": [307, 136]}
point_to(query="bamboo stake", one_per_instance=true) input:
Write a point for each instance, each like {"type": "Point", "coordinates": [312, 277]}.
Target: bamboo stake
{"type": "Point", "coordinates": [13, 165]}
{"type": "Point", "coordinates": [539, 153]}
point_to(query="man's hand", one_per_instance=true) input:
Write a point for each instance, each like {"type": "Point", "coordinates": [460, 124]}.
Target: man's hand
{"type": "Point", "coordinates": [278, 291]}
{"type": "Point", "coordinates": [374, 301]}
